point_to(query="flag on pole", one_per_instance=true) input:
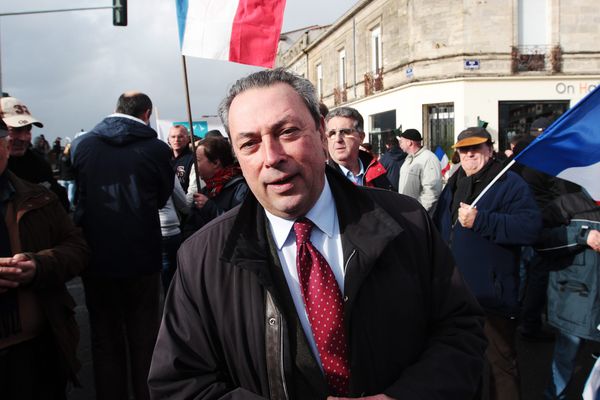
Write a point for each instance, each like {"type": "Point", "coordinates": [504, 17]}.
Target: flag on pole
{"type": "Point", "coordinates": [570, 147]}
{"type": "Point", "coordinates": [241, 31]}
{"type": "Point", "coordinates": [444, 162]}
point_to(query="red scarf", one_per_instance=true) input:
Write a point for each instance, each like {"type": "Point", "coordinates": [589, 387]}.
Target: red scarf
{"type": "Point", "coordinates": [215, 184]}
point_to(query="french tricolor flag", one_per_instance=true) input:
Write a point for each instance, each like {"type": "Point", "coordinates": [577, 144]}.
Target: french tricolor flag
{"type": "Point", "coordinates": [241, 31]}
{"type": "Point", "coordinates": [570, 147]}
{"type": "Point", "coordinates": [444, 162]}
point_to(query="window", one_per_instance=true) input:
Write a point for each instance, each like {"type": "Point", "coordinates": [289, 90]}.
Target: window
{"type": "Point", "coordinates": [533, 26]}
{"type": "Point", "coordinates": [342, 68]}
{"type": "Point", "coordinates": [440, 127]}
{"type": "Point", "coordinates": [382, 127]}
{"type": "Point", "coordinates": [376, 59]}
{"type": "Point", "coordinates": [515, 117]}
{"type": "Point", "coordinates": [319, 81]}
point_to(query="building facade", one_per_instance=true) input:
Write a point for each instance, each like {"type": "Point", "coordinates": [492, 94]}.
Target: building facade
{"type": "Point", "coordinates": [442, 65]}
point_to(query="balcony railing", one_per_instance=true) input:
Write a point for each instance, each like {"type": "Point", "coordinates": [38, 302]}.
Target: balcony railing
{"type": "Point", "coordinates": [340, 95]}
{"type": "Point", "coordinates": [536, 58]}
{"type": "Point", "coordinates": [373, 82]}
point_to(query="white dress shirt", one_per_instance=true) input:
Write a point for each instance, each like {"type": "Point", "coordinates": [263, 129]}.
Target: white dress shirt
{"type": "Point", "coordinates": [325, 236]}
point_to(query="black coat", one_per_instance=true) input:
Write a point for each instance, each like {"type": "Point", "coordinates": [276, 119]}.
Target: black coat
{"type": "Point", "coordinates": [229, 327]}
{"type": "Point", "coordinates": [33, 168]}
{"type": "Point", "coordinates": [124, 176]}
{"type": "Point", "coordinates": [232, 194]}
{"type": "Point", "coordinates": [392, 160]}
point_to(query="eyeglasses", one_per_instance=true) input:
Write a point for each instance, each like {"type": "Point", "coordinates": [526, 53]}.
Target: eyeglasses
{"type": "Point", "coordinates": [20, 129]}
{"type": "Point", "coordinates": [343, 132]}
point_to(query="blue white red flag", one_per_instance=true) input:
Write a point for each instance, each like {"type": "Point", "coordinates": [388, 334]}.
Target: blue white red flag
{"type": "Point", "coordinates": [570, 147]}
{"type": "Point", "coordinates": [241, 31]}
{"type": "Point", "coordinates": [444, 162]}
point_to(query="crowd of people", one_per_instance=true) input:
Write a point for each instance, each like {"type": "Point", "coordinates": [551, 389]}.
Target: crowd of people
{"type": "Point", "coordinates": [293, 262]}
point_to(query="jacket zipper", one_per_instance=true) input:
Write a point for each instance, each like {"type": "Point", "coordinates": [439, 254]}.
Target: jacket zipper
{"type": "Point", "coordinates": [349, 258]}
{"type": "Point", "coordinates": [281, 365]}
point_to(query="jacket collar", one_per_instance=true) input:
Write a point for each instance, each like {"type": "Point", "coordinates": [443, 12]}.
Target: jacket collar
{"type": "Point", "coordinates": [27, 195]}
{"type": "Point", "coordinates": [365, 227]}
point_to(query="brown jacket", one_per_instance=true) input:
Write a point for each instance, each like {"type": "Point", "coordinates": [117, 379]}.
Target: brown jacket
{"type": "Point", "coordinates": [39, 227]}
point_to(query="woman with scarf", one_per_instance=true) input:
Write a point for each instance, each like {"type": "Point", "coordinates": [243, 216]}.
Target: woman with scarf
{"type": "Point", "coordinates": [224, 188]}
{"type": "Point", "coordinates": [486, 242]}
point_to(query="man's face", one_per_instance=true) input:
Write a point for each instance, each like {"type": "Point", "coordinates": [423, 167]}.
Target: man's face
{"type": "Point", "coordinates": [279, 148]}
{"type": "Point", "coordinates": [343, 141]}
{"type": "Point", "coordinates": [178, 139]}
{"type": "Point", "coordinates": [4, 153]}
{"type": "Point", "coordinates": [404, 144]}
{"type": "Point", "coordinates": [19, 140]}
{"type": "Point", "coordinates": [473, 158]}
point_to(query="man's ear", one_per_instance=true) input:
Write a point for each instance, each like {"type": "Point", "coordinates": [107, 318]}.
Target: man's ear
{"type": "Point", "coordinates": [147, 115]}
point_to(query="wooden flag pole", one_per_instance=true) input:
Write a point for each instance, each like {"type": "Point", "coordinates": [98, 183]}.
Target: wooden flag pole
{"type": "Point", "coordinates": [189, 113]}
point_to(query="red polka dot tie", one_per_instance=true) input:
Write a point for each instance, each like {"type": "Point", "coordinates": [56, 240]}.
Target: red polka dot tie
{"type": "Point", "coordinates": [323, 302]}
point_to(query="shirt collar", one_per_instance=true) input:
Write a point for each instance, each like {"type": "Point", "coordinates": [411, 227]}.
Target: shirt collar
{"type": "Point", "coordinates": [321, 214]}
{"type": "Point", "coordinates": [126, 116]}
{"type": "Point", "coordinates": [348, 173]}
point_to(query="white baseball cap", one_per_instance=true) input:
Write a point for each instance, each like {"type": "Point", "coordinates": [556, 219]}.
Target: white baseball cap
{"type": "Point", "coordinates": [16, 114]}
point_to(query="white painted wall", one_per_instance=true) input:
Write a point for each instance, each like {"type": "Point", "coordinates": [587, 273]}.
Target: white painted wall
{"type": "Point", "coordinates": [472, 97]}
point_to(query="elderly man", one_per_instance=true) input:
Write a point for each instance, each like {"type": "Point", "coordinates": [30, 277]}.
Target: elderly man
{"type": "Point", "coordinates": [345, 133]}
{"type": "Point", "coordinates": [40, 250]}
{"type": "Point", "coordinates": [24, 162]}
{"type": "Point", "coordinates": [183, 158]}
{"type": "Point", "coordinates": [486, 241]}
{"type": "Point", "coordinates": [301, 293]}
{"type": "Point", "coordinates": [421, 173]}
{"type": "Point", "coordinates": [124, 176]}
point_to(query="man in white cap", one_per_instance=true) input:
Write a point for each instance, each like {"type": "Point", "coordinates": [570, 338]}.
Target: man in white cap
{"type": "Point", "coordinates": [23, 162]}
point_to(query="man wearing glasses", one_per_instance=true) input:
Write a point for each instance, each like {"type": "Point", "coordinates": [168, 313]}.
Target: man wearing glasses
{"type": "Point", "coordinates": [23, 162]}
{"type": "Point", "coordinates": [486, 242]}
{"type": "Point", "coordinates": [344, 135]}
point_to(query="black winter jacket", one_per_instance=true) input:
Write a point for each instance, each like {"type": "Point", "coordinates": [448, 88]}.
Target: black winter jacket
{"type": "Point", "coordinates": [124, 176]}
{"type": "Point", "coordinates": [230, 330]}
{"type": "Point", "coordinates": [232, 194]}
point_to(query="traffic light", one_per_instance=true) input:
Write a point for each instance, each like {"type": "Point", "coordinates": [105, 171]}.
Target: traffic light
{"type": "Point", "coordinates": [120, 12]}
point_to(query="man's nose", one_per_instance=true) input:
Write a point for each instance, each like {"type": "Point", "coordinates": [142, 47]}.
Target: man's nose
{"type": "Point", "coordinates": [273, 151]}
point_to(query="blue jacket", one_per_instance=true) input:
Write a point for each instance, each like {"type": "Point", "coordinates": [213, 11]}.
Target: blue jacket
{"type": "Point", "coordinates": [124, 176]}
{"type": "Point", "coordinates": [488, 254]}
{"type": "Point", "coordinates": [574, 290]}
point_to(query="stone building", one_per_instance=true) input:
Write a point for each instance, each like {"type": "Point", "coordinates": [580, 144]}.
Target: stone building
{"type": "Point", "coordinates": [442, 65]}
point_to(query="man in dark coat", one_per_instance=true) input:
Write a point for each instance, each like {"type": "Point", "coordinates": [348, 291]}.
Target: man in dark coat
{"type": "Point", "coordinates": [182, 158]}
{"type": "Point", "coordinates": [392, 160]}
{"type": "Point", "coordinates": [345, 133]}
{"type": "Point", "coordinates": [236, 321]}
{"type": "Point", "coordinates": [124, 176]}
{"type": "Point", "coordinates": [486, 241]}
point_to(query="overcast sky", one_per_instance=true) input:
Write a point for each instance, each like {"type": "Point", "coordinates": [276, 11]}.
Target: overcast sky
{"type": "Point", "coordinates": [70, 68]}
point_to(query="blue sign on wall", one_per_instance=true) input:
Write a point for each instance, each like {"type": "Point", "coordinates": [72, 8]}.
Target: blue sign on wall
{"type": "Point", "coordinates": [472, 64]}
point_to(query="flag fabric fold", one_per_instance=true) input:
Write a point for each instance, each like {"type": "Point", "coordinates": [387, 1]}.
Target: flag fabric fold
{"type": "Point", "coordinates": [241, 31]}
{"type": "Point", "coordinates": [444, 162]}
{"type": "Point", "coordinates": [570, 147]}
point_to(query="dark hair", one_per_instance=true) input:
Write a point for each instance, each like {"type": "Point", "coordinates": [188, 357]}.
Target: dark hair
{"type": "Point", "coordinates": [323, 109]}
{"type": "Point", "coordinates": [392, 141]}
{"type": "Point", "coordinates": [134, 104]}
{"type": "Point", "coordinates": [214, 133]}
{"type": "Point", "coordinates": [217, 149]}
{"type": "Point", "coordinates": [270, 77]}
{"type": "Point", "coordinates": [348, 112]}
